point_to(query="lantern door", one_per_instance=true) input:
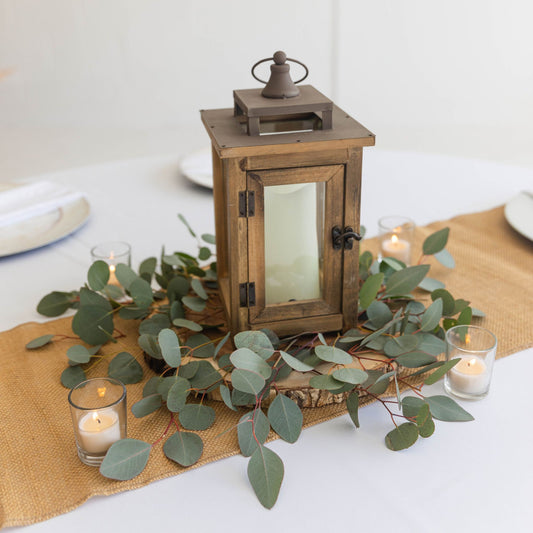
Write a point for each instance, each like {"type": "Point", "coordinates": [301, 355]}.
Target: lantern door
{"type": "Point", "coordinates": [295, 272]}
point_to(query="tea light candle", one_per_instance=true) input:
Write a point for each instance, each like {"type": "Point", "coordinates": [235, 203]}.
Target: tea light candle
{"type": "Point", "coordinates": [470, 376]}
{"type": "Point", "coordinates": [396, 248]}
{"type": "Point", "coordinates": [112, 276]}
{"type": "Point", "coordinates": [98, 430]}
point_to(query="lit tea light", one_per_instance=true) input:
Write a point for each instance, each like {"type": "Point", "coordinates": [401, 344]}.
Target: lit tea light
{"type": "Point", "coordinates": [470, 376]}
{"type": "Point", "coordinates": [98, 430]}
{"type": "Point", "coordinates": [113, 253]}
{"type": "Point", "coordinates": [396, 248]}
{"type": "Point", "coordinates": [396, 237]}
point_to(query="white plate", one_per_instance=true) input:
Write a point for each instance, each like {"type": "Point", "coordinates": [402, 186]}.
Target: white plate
{"type": "Point", "coordinates": [42, 229]}
{"type": "Point", "coordinates": [519, 213]}
{"type": "Point", "coordinates": [197, 167]}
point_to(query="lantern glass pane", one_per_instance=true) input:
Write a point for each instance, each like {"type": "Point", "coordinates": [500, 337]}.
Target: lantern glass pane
{"type": "Point", "coordinates": [294, 237]}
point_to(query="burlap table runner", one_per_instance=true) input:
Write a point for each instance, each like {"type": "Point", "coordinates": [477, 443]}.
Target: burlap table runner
{"type": "Point", "coordinates": [40, 473]}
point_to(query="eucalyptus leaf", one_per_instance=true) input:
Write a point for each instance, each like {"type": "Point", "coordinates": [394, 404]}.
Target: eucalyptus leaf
{"type": "Point", "coordinates": [325, 382]}
{"type": "Point", "coordinates": [225, 393]}
{"type": "Point", "coordinates": [148, 267]}
{"type": "Point", "coordinates": [439, 373]}
{"type": "Point", "coordinates": [196, 417]}
{"type": "Point", "coordinates": [125, 459]}
{"type": "Point", "coordinates": [404, 281]}
{"type": "Point", "coordinates": [186, 224]}
{"type": "Point", "coordinates": [411, 406]}
{"type": "Point", "coordinates": [125, 368]}
{"type": "Point", "coordinates": [169, 345]}
{"type": "Point", "coordinates": [194, 303]}
{"type": "Point", "coordinates": [188, 324]}
{"type": "Point", "coordinates": [379, 313]}
{"type": "Point", "coordinates": [435, 242]}
{"type": "Point", "coordinates": [55, 303]}
{"type": "Point", "coordinates": [184, 448]}
{"type": "Point", "coordinates": [424, 422]}
{"type": "Point", "coordinates": [415, 359]}
{"type": "Point", "coordinates": [444, 408]}
{"type": "Point", "coordinates": [198, 288]}
{"type": "Point", "coordinates": [247, 381]}
{"type": "Point", "coordinates": [92, 298]}
{"type": "Point", "coordinates": [176, 311]}
{"type": "Point", "coordinates": [177, 394]}
{"type": "Point", "coordinates": [148, 344]}
{"type": "Point", "coordinates": [146, 405]}
{"type": "Point", "coordinates": [286, 418]}
{"type": "Point", "coordinates": [202, 346]}
{"type": "Point", "coordinates": [352, 403]}
{"type": "Point", "coordinates": [257, 341]}
{"type": "Point", "coordinates": [252, 430]}
{"type": "Point", "coordinates": [460, 305]}
{"type": "Point", "coordinates": [98, 275]}
{"type": "Point", "coordinates": [465, 317]}
{"type": "Point", "coordinates": [150, 387]}
{"type": "Point", "coordinates": [431, 318]}
{"type": "Point", "coordinates": [369, 290]}
{"type": "Point", "coordinates": [220, 345]}
{"type": "Point", "coordinates": [208, 238]}
{"type": "Point", "coordinates": [177, 288]}
{"type": "Point", "coordinates": [205, 376]}
{"type": "Point", "coordinates": [265, 472]}
{"type": "Point", "coordinates": [477, 313]}
{"type": "Point", "coordinates": [93, 324]}
{"type": "Point", "coordinates": [404, 436]}
{"type": "Point", "coordinates": [141, 292]}
{"type": "Point", "coordinates": [154, 324]}
{"type": "Point", "coordinates": [430, 285]}
{"type": "Point", "coordinates": [445, 258]}
{"type": "Point", "coordinates": [174, 260]}
{"type": "Point", "coordinates": [448, 303]}
{"type": "Point", "coordinates": [40, 341]}
{"type": "Point", "coordinates": [396, 346]}
{"type": "Point", "coordinates": [125, 275]}
{"type": "Point", "coordinates": [430, 343]}
{"type": "Point", "coordinates": [78, 354]}
{"type": "Point", "coordinates": [295, 363]}
{"type": "Point", "coordinates": [245, 359]}
{"type": "Point", "coordinates": [72, 376]}
{"type": "Point", "coordinates": [354, 376]}
{"type": "Point", "coordinates": [332, 354]}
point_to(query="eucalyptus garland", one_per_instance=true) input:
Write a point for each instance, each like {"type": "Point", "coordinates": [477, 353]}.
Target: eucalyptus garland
{"type": "Point", "coordinates": [245, 374]}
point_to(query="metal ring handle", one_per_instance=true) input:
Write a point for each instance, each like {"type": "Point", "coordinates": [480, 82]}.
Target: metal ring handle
{"type": "Point", "coordinates": [288, 59]}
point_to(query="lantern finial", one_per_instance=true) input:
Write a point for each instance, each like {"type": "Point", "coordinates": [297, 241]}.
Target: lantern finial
{"type": "Point", "coordinates": [280, 84]}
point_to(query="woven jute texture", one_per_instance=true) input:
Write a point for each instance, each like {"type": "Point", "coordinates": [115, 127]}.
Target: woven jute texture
{"type": "Point", "coordinates": [40, 473]}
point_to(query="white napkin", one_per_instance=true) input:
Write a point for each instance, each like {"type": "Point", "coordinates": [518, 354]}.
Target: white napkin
{"type": "Point", "coordinates": [28, 201]}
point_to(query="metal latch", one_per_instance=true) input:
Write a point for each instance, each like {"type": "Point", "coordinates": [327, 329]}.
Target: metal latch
{"type": "Point", "coordinates": [344, 238]}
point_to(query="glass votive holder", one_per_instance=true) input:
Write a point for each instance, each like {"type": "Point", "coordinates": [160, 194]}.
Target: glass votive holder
{"type": "Point", "coordinates": [113, 253]}
{"type": "Point", "coordinates": [99, 417]}
{"type": "Point", "coordinates": [396, 235]}
{"type": "Point", "coordinates": [470, 377]}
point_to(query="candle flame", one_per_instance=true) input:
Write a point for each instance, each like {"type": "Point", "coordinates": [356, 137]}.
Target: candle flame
{"type": "Point", "coordinates": [472, 362]}
{"type": "Point", "coordinates": [467, 338]}
{"type": "Point", "coordinates": [101, 392]}
{"type": "Point", "coordinates": [112, 269]}
{"type": "Point", "coordinates": [95, 417]}
{"type": "Point", "coordinates": [394, 238]}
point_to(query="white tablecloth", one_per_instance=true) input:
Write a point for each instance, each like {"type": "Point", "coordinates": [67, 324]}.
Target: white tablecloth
{"type": "Point", "coordinates": [474, 476]}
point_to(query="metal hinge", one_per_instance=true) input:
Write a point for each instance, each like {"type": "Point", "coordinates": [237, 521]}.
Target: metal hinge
{"type": "Point", "coordinates": [247, 294]}
{"type": "Point", "coordinates": [246, 203]}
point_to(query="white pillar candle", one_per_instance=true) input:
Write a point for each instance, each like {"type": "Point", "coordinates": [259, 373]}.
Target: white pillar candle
{"type": "Point", "coordinates": [98, 430]}
{"type": "Point", "coordinates": [293, 232]}
{"type": "Point", "coordinates": [397, 249]}
{"type": "Point", "coordinates": [469, 376]}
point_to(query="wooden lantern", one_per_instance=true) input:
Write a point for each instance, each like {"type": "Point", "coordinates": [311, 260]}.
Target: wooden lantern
{"type": "Point", "coordinates": [287, 189]}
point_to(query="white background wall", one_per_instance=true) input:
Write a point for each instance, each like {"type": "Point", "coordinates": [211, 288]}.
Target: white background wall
{"type": "Point", "coordinates": [93, 80]}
